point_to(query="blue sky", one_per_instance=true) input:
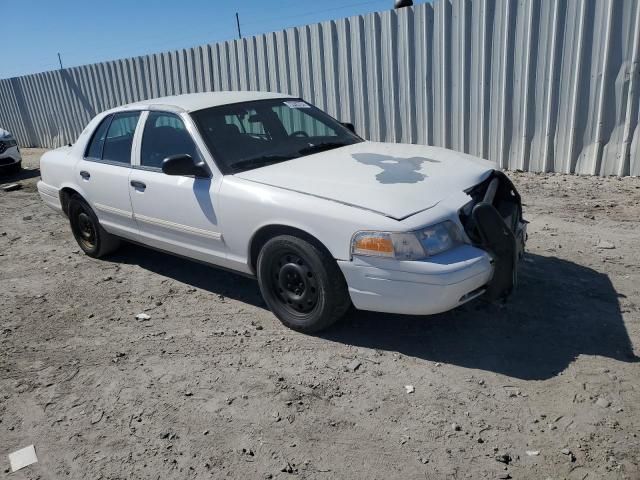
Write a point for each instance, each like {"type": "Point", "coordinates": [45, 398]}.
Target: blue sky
{"type": "Point", "coordinates": [88, 31]}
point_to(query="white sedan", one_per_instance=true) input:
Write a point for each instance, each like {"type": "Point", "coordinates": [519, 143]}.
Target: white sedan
{"type": "Point", "coordinates": [270, 186]}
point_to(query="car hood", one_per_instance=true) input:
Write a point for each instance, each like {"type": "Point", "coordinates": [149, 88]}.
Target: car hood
{"type": "Point", "coordinates": [395, 180]}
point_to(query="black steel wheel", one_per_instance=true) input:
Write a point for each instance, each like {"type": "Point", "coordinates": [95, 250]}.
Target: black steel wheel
{"type": "Point", "coordinates": [94, 240]}
{"type": "Point", "coordinates": [301, 283]}
{"type": "Point", "coordinates": [294, 282]}
{"type": "Point", "coordinates": [87, 236]}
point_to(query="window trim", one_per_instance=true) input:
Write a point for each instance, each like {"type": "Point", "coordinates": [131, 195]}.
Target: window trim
{"type": "Point", "coordinates": [137, 141]}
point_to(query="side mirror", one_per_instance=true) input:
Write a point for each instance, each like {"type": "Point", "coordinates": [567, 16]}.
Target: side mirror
{"type": "Point", "coordinates": [349, 126]}
{"type": "Point", "coordinates": [184, 165]}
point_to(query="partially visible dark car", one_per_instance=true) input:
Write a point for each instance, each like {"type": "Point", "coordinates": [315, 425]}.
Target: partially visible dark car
{"type": "Point", "coordinates": [10, 158]}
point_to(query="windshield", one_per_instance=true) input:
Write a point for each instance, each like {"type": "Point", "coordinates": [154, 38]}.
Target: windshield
{"type": "Point", "coordinates": [249, 135]}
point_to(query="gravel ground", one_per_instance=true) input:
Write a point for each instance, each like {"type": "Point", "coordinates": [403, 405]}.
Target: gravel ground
{"type": "Point", "coordinates": [212, 386]}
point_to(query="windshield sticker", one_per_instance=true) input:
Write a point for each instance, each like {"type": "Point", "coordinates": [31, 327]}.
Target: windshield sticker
{"type": "Point", "coordinates": [297, 104]}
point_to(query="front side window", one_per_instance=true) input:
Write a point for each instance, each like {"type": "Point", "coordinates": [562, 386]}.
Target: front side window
{"type": "Point", "coordinates": [254, 134]}
{"type": "Point", "coordinates": [165, 135]}
{"type": "Point", "coordinates": [119, 139]}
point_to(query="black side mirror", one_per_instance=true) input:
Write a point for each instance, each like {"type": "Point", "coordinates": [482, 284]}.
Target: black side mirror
{"type": "Point", "coordinates": [184, 165]}
{"type": "Point", "coordinates": [349, 126]}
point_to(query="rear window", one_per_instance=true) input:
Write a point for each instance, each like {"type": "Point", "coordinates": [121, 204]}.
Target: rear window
{"type": "Point", "coordinates": [117, 145]}
{"type": "Point", "coordinates": [94, 151]}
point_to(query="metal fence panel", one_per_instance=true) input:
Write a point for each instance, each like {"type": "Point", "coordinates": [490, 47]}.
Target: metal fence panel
{"type": "Point", "coordinates": [538, 85]}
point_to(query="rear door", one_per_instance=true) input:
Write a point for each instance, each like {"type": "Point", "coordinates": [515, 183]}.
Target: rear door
{"type": "Point", "coordinates": [103, 173]}
{"type": "Point", "coordinates": [174, 213]}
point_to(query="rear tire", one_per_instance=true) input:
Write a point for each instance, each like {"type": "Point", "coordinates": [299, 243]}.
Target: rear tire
{"type": "Point", "coordinates": [94, 240]}
{"type": "Point", "coordinates": [301, 284]}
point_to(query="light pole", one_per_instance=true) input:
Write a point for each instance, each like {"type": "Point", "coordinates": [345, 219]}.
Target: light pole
{"type": "Point", "coordinates": [238, 25]}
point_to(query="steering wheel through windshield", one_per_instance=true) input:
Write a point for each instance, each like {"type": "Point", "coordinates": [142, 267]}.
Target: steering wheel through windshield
{"type": "Point", "coordinates": [299, 133]}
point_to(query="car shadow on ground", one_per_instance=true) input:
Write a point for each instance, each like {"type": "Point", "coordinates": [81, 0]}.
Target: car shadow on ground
{"type": "Point", "coordinates": [24, 174]}
{"type": "Point", "coordinates": [561, 310]}
{"type": "Point", "coordinates": [192, 273]}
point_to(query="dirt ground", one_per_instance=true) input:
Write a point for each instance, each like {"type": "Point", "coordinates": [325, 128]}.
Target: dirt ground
{"type": "Point", "coordinates": [213, 386]}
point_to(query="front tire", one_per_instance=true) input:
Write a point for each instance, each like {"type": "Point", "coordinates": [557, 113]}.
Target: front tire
{"type": "Point", "coordinates": [301, 284]}
{"type": "Point", "coordinates": [94, 240]}
{"type": "Point", "coordinates": [11, 170]}
{"type": "Point", "coordinates": [17, 168]}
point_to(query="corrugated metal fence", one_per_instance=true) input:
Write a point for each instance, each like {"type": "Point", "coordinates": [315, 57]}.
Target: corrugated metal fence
{"type": "Point", "coordinates": [540, 85]}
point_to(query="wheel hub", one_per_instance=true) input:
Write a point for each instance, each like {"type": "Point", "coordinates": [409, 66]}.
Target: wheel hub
{"type": "Point", "coordinates": [86, 228]}
{"type": "Point", "coordinates": [86, 231]}
{"type": "Point", "coordinates": [295, 283]}
{"type": "Point", "coordinates": [292, 280]}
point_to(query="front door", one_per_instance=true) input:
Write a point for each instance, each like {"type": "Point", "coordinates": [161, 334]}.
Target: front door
{"type": "Point", "coordinates": [174, 213]}
{"type": "Point", "coordinates": [103, 173]}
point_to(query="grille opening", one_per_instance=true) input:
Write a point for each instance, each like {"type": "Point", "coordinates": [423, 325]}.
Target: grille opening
{"type": "Point", "coordinates": [506, 201]}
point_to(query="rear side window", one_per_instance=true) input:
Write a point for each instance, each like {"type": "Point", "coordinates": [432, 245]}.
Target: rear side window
{"type": "Point", "coordinates": [165, 135]}
{"type": "Point", "coordinates": [117, 144]}
{"type": "Point", "coordinates": [97, 142]}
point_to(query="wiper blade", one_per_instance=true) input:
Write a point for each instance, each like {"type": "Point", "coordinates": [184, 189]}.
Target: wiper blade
{"type": "Point", "coordinates": [321, 147]}
{"type": "Point", "coordinates": [260, 161]}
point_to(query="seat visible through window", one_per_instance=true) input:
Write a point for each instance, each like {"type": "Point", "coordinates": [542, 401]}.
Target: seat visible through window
{"type": "Point", "coordinates": [165, 135]}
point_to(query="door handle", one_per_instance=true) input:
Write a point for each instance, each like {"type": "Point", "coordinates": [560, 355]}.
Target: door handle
{"type": "Point", "coordinates": [138, 185]}
{"type": "Point", "coordinates": [85, 175]}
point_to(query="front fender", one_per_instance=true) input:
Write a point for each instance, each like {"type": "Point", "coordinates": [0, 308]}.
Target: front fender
{"type": "Point", "coordinates": [246, 207]}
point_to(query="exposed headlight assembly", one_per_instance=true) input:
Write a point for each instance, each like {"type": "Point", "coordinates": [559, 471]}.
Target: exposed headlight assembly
{"type": "Point", "coordinates": [408, 246]}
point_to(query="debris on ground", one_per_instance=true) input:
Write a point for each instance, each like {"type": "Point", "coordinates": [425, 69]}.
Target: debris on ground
{"type": "Point", "coordinates": [353, 365]}
{"type": "Point", "coordinates": [11, 187]}
{"type": "Point", "coordinates": [96, 417]}
{"type": "Point", "coordinates": [605, 245]}
{"type": "Point", "coordinates": [409, 388]}
{"type": "Point", "coordinates": [22, 458]}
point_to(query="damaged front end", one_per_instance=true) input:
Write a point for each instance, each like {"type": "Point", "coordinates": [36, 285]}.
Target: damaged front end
{"type": "Point", "coordinates": [493, 221]}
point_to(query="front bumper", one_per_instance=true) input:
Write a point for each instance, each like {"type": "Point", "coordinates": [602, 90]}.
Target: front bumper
{"type": "Point", "coordinates": [430, 286]}
{"type": "Point", "coordinates": [9, 158]}
{"type": "Point", "coordinates": [494, 225]}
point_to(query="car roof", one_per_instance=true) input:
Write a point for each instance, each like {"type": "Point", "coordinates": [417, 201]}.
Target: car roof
{"type": "Point", "coordinates": [191, 102]}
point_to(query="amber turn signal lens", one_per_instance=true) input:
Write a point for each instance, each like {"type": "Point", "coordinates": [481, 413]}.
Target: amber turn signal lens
{"type": "Point", "coordinates": [374, 244]}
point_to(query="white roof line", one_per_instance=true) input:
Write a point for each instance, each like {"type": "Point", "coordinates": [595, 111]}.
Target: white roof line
{"type": "Point", "coordinates": [197, 101]}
